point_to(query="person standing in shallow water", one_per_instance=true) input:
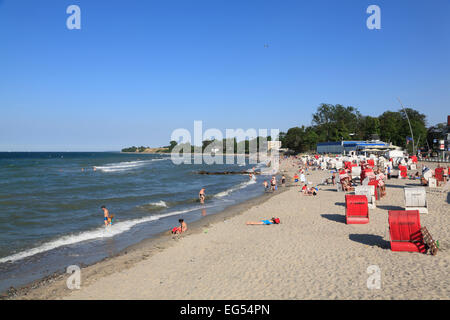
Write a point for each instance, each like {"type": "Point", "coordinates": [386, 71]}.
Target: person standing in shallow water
{"type": "Point", "coordinates": [201, 195]}
{"type": "Point", "coordinates": [266, 186]}
{"type": "Point", "coordinates": [273, 183]}
{"type": "Point", "coordinates": [105, 216]}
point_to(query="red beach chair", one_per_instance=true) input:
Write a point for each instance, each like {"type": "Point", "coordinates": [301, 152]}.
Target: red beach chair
{"type": "Point", "coordinates": [404, 229]}
{"type": "Point", "coordinates": [356, 209]}
{"type": "Point", "coordinates": [371, 162]}
{"type": "Point", "coordinates": [375, 183]}
{"type": "Point", "coordinates": [439, 174]}
{"type": "Point", "coordinates": [403, 171]}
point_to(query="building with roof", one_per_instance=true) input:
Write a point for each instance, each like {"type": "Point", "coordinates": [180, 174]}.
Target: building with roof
{"type": "Point", "coordinates": [347, 147]}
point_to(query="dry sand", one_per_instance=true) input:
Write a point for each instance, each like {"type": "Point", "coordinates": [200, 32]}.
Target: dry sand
{"type": "Point", "coordinates": [312, 254]}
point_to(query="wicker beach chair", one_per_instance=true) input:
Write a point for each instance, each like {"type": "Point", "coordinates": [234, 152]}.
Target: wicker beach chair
{"type": "Point", "coordinates": [405, 231]}
{"type": "Point", "coordinates": [356, 209]}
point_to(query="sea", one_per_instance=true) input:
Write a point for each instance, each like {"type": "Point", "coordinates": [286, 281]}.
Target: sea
{"type": "Point", "coordinates": [50, 215]}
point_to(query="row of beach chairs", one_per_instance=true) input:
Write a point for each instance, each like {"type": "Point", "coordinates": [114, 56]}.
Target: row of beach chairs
{"type": "Point", "coordinates": [406, 233]}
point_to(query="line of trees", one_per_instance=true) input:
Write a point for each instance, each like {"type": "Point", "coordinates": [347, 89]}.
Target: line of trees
{"type": "Point", "coordinates": [337, 122]}
{"type": "Point", "coordinates": [135, 149]}
{"type": "Point", "coordinates": [230, 145]}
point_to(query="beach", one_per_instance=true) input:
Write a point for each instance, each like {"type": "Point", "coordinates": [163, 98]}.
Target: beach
{"type": "Point", "coordinates": [312, 254]}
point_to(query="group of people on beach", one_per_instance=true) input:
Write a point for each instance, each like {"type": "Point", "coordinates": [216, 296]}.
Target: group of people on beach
{"type": "Point", "coordinates": [273, 184]}
{"type": "Point", "coordinates": [108, 218]}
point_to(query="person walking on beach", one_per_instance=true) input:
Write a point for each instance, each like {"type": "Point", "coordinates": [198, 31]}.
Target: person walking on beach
{"type": "Point", "coordinates": [302, 178]}
{"type": "Point", "coordinates": [201, 195]}
{"type": "Point", "coordinates": [333, 178]}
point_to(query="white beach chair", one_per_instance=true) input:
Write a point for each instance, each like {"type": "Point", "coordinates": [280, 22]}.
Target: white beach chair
{"type": "Point", "coordinates": [366, 181]}
{"type": "Point", "coordinates": [427, 174]}
{"type": "Point", "coordinates": [432, 183]}
{"type": "Point", "coordinates": [416, 199]}
{"type": "Point", "coordinates": [440, 190]}
{"type": "Point", "coordinates": [395, 173]}
{"type": "Point", "coordinates": [369, 192]}
{"type": "Point", "coordinates": [356, 172]}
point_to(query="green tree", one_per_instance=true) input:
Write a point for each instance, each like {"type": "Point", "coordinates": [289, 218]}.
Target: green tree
{"type": "Point", "coordinates": [369, 126]}
{"type": "Point", "coordinates": [390, 123]}
{"type": "Point", "coordinates": [336, 122]}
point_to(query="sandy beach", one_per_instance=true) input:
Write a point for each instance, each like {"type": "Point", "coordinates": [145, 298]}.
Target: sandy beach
{"type": "Point", "coordinates": [312, 254]}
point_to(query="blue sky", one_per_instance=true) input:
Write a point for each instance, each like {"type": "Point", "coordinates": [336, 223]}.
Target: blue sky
{"type": "Point", "coordinates": [137, 70]}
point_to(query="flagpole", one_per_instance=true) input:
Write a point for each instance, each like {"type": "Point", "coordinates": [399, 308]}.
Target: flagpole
{"type": "Point", "coordinates": [410, 129]}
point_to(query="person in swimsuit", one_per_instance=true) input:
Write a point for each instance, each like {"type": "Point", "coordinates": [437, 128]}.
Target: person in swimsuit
{"type": "Point", "coordinates": [266, 186]}
{"type": "Point", "coordinates": [305, 189]}
{"type": "Point", "coordinates": [106, 216]}
{"type": "Point", "coordinates": [182, 228]}
{"type": "Point", "coordinates": [283, 180]}
{"type": "Point", "coordinates": [273, 183]}
{"type": "Point", "coordinates": [262, 222]}
{"type": "Point", "coordinates": [201, 195]}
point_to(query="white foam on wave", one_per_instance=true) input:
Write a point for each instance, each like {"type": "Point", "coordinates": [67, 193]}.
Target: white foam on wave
{"type": "Point", "coordinates": [235, 188]}
{"type": "Point", "coordinates": [101, 232]}
{"type": "Point", "coordinates": [126, 165]}
{"type": "Point", "coordinates": [160, 203]}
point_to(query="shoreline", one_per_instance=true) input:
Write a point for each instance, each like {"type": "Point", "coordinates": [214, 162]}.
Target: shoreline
{"type": "Point", "coordinates": [311, 254]}
{"type": "Point", "coordinates": [53, 285]}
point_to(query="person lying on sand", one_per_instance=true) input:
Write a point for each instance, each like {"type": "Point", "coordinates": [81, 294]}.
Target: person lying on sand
{"type": "Point", "coordinates": [264, 222]}
{"type": "Point", "coordinates": [182, 228]}
{"type": "Point", "coordinates": [312, 191]}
